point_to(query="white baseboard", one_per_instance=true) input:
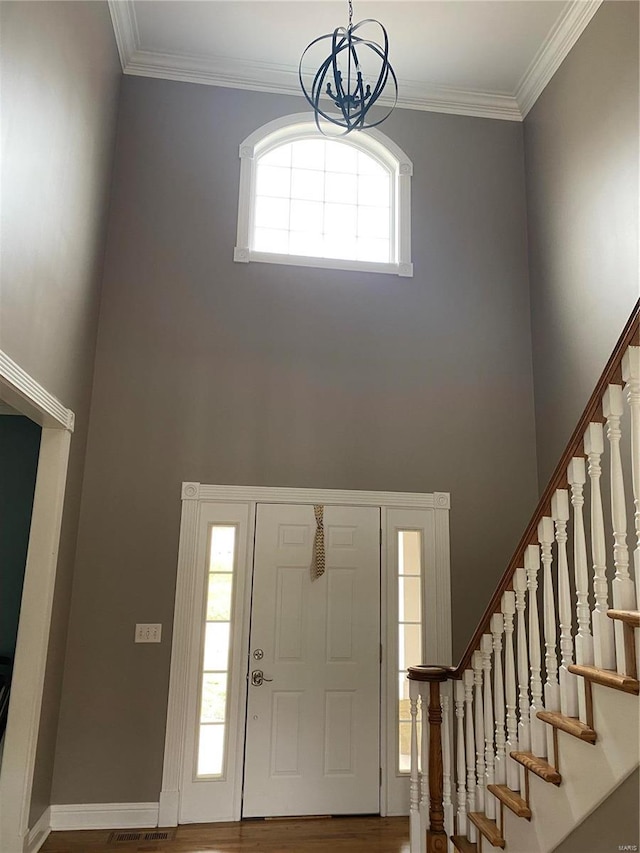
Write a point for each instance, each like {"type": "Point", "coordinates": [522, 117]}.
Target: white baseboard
{"type": "Point", "coordinates": [39, 833]}
{"type": "Point", "coordinates": [104, 816]}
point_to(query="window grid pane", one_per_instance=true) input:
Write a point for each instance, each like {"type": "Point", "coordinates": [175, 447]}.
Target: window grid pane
{"type": "Point", "coordinates": [323, 198]}
{"type": "Point", "coordinates": [211, 749]}
{"type": "Point", "coordinates": [409, 580]}
{"type": "Point", "coordinates": [215, 666]}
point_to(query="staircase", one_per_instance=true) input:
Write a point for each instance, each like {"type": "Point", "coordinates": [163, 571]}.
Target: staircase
{"type": "Point", "coordinates": [539, 722]}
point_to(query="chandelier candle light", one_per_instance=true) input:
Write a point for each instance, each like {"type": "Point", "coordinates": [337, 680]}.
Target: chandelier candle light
{"type": "Point", "coordinates": [345, 82]}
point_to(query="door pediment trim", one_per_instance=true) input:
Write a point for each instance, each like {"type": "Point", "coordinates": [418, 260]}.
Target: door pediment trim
{"type": "Point", "coordinates": [287, 494]}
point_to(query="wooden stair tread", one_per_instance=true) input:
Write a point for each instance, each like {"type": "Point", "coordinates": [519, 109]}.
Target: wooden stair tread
{"type": "Point", "coordinates": [607, 678]}
{"type": "Point", "coordinates": [631, 617]}
{"type": "Point", "coordinates": [511, 799]}
{"type": "Point", "coordinates": [462, 843]}
{"type": "Point", "coordinates": [488, 827]}
{"type": "Point", "coordinates": [570, 725]}
{"type": "Point", "coordinates": [538, 766]}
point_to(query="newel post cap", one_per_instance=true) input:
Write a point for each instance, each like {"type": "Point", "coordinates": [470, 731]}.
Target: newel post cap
{"type": "Point", "coordinates": [422, 672]}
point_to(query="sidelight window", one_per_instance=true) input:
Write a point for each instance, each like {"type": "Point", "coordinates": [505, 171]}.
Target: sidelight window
{"type": "Point", "coordinates": [215, 664]}
{"type": "Point", "coordinates": [410, 574]}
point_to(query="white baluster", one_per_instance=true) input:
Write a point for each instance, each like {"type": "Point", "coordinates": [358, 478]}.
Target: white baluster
{"type": "Point", "coordinates": [568, 681]}
{"type": "Point", "coordinates": [461, 759]}
{"type": "Point", "coordinates": [538, 735]}
{"type": "Point", "coordinates": [577, 477]}
{"type": "Point", "coordinates": [603, 644]}
{"type": "Point", "coordinates": [470, 744]}
{"type": "Point", "coordinates": [508, 608]}
{"type": "Point", "coordinates": [551, 685]}
{"type": "Point", "coordinates": [524, 731]}
{"type": "Point", "coordinates": [486, 645]}
{"type": "Point", "coordinates": [476, 663]}
{"type": "Point", "coordinates": [415, 830]}
{"type": "Point", "coordinates": [623, 589]}
{"type": "Point", "coordinates": [497, 628]}
{"type": "Point", "coordinates": [631, 376]}
{"type": "Point", "coordinates": [446, 762]}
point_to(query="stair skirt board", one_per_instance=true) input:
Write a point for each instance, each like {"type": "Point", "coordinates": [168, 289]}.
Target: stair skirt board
{"type": "Point", "coordinates": [590, 774]}
{"type": "Point", "coordinates": [104, 816]}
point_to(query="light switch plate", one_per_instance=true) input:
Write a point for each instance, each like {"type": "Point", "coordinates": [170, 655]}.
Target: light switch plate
{"type": "Point", "coordinates": [147, 632]}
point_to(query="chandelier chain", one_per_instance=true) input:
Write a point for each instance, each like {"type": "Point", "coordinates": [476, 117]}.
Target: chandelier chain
{"type": "Point", "coordinates": [350, 13]}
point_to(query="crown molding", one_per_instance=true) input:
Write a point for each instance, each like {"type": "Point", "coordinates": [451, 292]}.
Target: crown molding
{"type": "Point", "coordinates": [466, 102]}
{"type": "Point", "coordinates": [125, 29]}
{"type": "Point", "coordinates": [283, 79]}
{"type": "Point", "coordinates": [553, 52]}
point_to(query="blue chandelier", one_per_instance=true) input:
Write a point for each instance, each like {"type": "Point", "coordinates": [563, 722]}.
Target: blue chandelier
{"type": "Point", "coordinates": [340, 77]}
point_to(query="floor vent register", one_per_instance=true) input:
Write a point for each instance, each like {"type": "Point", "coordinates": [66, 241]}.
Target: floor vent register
{"type": "Point", "coordinates": [127, 836]}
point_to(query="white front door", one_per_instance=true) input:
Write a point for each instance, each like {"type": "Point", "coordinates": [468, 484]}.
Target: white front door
{"type": "Point", "coordinates": [312, 740]}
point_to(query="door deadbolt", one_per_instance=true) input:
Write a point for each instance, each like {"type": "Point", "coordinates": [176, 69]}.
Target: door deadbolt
{"type": "Point", "coordinates": [257, 678]}
{"type": "Point", "coordinates": [258, 654]}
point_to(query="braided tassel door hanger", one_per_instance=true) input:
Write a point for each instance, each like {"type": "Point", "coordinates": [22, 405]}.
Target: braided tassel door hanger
{"type": "Point", "coordinates": [318, 560]}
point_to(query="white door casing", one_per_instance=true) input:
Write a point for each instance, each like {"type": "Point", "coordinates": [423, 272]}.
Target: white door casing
{"type": "Point", "coordinates": [30, 399]}
{"type": "Point", "coordinates": [312, 743]}
{"type": "Point", "coordinates": [227, 804]}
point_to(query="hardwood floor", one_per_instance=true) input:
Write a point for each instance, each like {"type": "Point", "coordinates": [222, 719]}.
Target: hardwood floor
{"type": "Point", "coordinates": [353, 834]}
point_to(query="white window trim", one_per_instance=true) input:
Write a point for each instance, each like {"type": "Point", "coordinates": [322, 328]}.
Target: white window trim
{"type": "Point", "coordinates": [302, 126]}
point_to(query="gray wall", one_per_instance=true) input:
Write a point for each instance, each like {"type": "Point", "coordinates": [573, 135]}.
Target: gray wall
{"type": "Point", "coordinates": [611, 826]}
{"type": "Point", "coordinates": [60, 78]}
{"type": "Point", "coordinates": [581, 153]}
{"type": "Point", "coordinates": [261, 374]}
{"type": "Point", "coordinates": [19, 447]}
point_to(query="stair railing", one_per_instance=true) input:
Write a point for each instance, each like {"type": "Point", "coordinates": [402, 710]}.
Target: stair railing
{"type": "Point", "coordinates": [504, 717]}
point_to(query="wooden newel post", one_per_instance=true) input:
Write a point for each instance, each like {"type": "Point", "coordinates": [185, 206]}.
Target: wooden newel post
{"type": "Point", "coordinates": [436, 807]}
{"type": "Point", "coordinates": [436, 835]}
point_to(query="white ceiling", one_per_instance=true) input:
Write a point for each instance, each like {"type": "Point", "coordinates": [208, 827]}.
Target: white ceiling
{"type": "Point", "coordinates": [476, 57]}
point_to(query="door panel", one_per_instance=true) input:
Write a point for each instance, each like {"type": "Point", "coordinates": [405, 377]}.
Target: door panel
{"type": "Point", "coordinates": [313, 728]}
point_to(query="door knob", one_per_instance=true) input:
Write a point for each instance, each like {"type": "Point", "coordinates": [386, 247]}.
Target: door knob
{"type": "Point", "coordinates": [257, 678]}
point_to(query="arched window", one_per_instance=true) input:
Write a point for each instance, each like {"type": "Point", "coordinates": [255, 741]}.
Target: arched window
{"type": "Point", "coordinates": [309, 200]}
